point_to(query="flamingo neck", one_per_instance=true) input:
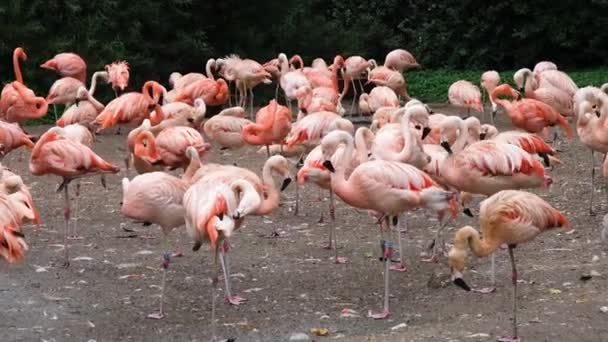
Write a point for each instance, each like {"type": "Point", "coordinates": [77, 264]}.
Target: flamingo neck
{"type": "Point", "coordinates": [463, 136]}
{"type": "Point", "coordinates": [468, 237]}
{"type": "Point", "coordinates": [208, 69]}
{"type": "Point", "coordinates": [334, 79]}
{"type": "Point", "coordinates": [339, 184]}
{"type": "Point", "coordinates": [284, 66]}
{"type": "Point", "coordinates": [360, 146]}
{"type": "Point", "coordinates": [505, 103]}
{"type": "Point", "coordinates": [96, 75]}
{"type": "Point", "coordinates": [17, 67]}
{"type": "Point", "coordinates": [271, 202]}
{"type": "Point", "coordinates": [158, 116]}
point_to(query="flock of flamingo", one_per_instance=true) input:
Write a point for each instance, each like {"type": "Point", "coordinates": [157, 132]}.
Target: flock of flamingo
{"type": "Point", "coordinates": [408, 158]}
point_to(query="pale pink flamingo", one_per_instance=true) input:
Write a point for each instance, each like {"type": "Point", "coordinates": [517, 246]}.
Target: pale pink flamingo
{"type": "Point", "coordinates": [273, 123]}
{"type": "Point", "coordinates": [388, 188]}
{"type": "Point", "coordinates": [130, 108]}
{"type": "Point", "coordinates": [178, 114]}
{"type": "Point", "coordinates": [57, 155]}
{"type": "Point", "coordinates": [400, 60]}
{"type": "Point", "coordinates": [247, 74]}
{"type": "Point", "coordinates": [509, 217]}
{"type": "Point", "coordinates": [554, 97]}
{"type": "Point", "coordinates": [179, 81]}
{"type": "Point", "coordinates": [214, 93]}
{"type": "Point", "coordinates": [324, 98]}
{"type": "Point", "coordinates": [313, 171]}
{"type": "Point", "coordinates": [529, 114]}
{"type": "Point", "coordinates": [543, 66]}
{"type": "Point", "coordinates": [465, 94]}
{"type": "Point", "coordinates": [381, 117]}
{"type": "Point", "coordinates": [310, 129]}
{"type": "Point", "coordinates": [67, 64]}
{"type": "Point", "coordinates": [118, 73]}
{"type": "Point", "coordinates": [16, 206]}
{"type": "Point", "coordinates": [354, 68]}
{"type": "Point", "coordinates": [294, 83]}
{"type": "Point", "coordinates": [547, 78]}
{"type": "Point", "coordinates": [63, 91]}
{"type": "Point", "coordinates": [383, 76]}
{"type": "Point", "coordinates": [529, 142]}
{"type": "Point", "coordinates": [156, 198]}
{"type": "Point", "coordinates": [226, 128]}
{"type": "Point", "coordinates": [398, 142]}
{"type": "Point", "coordinates": [83, 112]}
{"type": "Point", "coordinates": [489, 81]}
{"type": "Point", "coordinates": [273, 67]}
{"type": "Point", "coordinates": [12, 137]}
{"type": "Point", "coordinates": [378, 97]}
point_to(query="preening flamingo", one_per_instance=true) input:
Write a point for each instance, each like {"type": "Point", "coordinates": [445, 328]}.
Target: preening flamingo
{"type": "Point", "coordinates": [554, 97]}
{"type": "Point", "coordinates": [13, 137]}
{"type": "Point", "coordinates": [354, 68]}
{"type": "Point", "coordinates": [388, 188]}
{"type": "Point", "coordinates": [273, 123]}
{"type": "Point", "coordinates": [310, 129]}
{"type": "Point", "coordinates": [509, 217]}
{"type": "Point", "coordinates": [67, 64]}
{"type": "Point", "coordinates": [378, 97]}
{"type": "Point", "coordinates": [489, 81]}
{"type": "Point", "coordinates": [24, 105]}
{"type": "Point", "coordinates": [465, 94]}
{"type": "Point", "coordinates": [57, 155]}
{"type": "Point", "coordinates": [400, 60]}
{"type": "Point", "coordinates": [213, 92]}
{"type": "Point", "coordinates": [226, 128]}
{"type": "Point", "coordinates": [383, 76]}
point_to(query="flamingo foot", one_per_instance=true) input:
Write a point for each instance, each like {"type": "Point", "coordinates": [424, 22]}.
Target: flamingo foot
{"type": "Point", "coordinates": [378, 315]}
{"type": "Point", "coordinates": [400, 267]}
{"type": "Point", "coordinates": [75, 237]}
{"type": "Point", "coordinates": [156, 315]}
{"type": "Point", "coordinates": [508, 339]}
{"type": "Point", "coordinates": [340, 260]}
{"type": "Point", "coordinates": [433, 258]}
{"type": "Point", "coordinates": [235, 300]}
{"type": "Point", "coordinates": [484, 290]}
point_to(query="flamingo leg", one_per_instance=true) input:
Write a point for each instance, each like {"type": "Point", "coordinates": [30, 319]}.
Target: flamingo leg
{"type": "Point", "coordinates": [493, 269]}
{"type": "Point", "coordinates": [400, 267]}
{"type": "Point", "coordinates": [166, 259]}
{"type": "Point", "coordinates": [387, 253]}
{"type": "Point", "coordinates": [330, 227]}
{"type": "Point", "coordinates": [251, 103]}
{"type": "Point", "coordinates": [296, 210]}
{"type": "Point", "coordinates": [438, 236]}
{"type": "Point", "coordinates": [55, 111]}
{"type": "Point", "coordinates": [514, 338]}
{"type": "Point", "coordinates": [591, 212]}
{"type": "Point", "coordinates": [214, 282]}
{"type": "Point", "coordinates": [276, 92]}
{"type": "Point", "coordinates": [332, 217]}
{"type": "Point", "coordinates": [352, 104]}
{"type": "Point", "coordinates": [66, 216]}
{"type": "Point", "coordinates": [268, 151]}
{"type": "Point", "coordinates": [75, 218]}
{"type": "Point", "coordinates": [234, 300]}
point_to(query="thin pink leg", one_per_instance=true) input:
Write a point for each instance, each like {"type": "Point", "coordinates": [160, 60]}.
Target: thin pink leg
{"type": "Point", "coordinates": [66, 215]}
{"type": "Point", "coordinates": [75, 219]}
{"type": "Point", "coordinates": [387, 249]}
{"type": "Point", "coordinates": [400, 267]}
{"type": "Point", "coordinates": [234, 300]}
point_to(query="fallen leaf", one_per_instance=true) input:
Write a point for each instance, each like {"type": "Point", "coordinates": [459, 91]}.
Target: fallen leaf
{"type": "Point", "coordinates": [319, 331]}
{"type": "Point", "coordinates": [555, 291]}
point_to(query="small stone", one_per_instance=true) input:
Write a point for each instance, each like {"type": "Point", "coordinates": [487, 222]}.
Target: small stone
{"type": "Point", "coordinates": [299, 337]}
{"type": "Point", "coordinates": [594, 273]}
{"type": "Point", "coordinates": [595, 258]}
{"type": "Point", "coordinates": [604, 309]}
{"type": "Point", "coordinates": [399, 326]}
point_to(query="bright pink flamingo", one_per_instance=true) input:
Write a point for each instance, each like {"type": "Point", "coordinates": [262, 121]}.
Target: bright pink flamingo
{"type": "Point", "coordinates": [400, 60]}
{"type": "Point", "coordinates": [25, 106]}
{"type": "Point", "coordinates": [529, 114]}
{"type": "Point", "coordinates": [214, 93]}
{"type": "Point", "coordinates": [156, 198]}
{"type": "Point", "coordinates": [9, 93]}
{"type": "Point", "coordinates": [272, 125]}
{"type": "Point", "coordinates": [554, 97]}
{"type": "Point", "coordinates": [57, 155]}
{"type": "Point", "coordinates": [119, 74]}
{"type": "Point", "coordinates": [324, 97]}
{"type": "Point", "coordinates": [489, 81]}
{"type": "Point", "coordinates": [13, 137]}
{"type": "Point", "coordinates": [383, 76]}
{"type": "Point", "coordinates": [385, 187]}
{"type": "Point", "coordinates": [508, 217]}
{"type": "Point", "coordinates": [67, 64]}
{"type": "Point", "coordinates": [379, 97]}
{"type": "Point", "coordinates": [465, 94]}
{"type": "Point", "coordinates": [226, 128]}
{"type": "Point", "coordinates": [130, 108]}
{"type": "Point", "coordinates": [16, 205]}
{"type": "Point", "coordinates": [169, 147]}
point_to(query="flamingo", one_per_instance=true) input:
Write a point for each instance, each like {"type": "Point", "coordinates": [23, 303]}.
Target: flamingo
{"type": "Point", "coordinates": [16, 206]}
{"type": "Point", "coordinates": [213, 92]}
{"type": "Point", "coordinates": [310, 129]}
{"type": "Point", "coordinates": [547, 78]}
{"type": "Point", "coordinates": [146, 159]}
{"type": "Point", "coordinates": [178, 114]}
{"type": "Point", "coordinates": [381, 117]}
{"type": "Point", "coordinates": [543, 66]}
{"type": "Point", "coordinates": [13, 137]}
{"type": "Point", "coordinates": [489, 81]}
{"type": "Point", "coordinates": [24, 105]}
{"type": "Point", "coordinates": [529, 114]}
{"type": "Point", "coordinates": [131, 108]}
{"type": "Point", "coordinates": [400, 60]}
{"type": "Point", "coordinates": [63, 91]}
{"type": "Point", "coordinates": [156, 198]}
{"type": "Point", "coordinates": [272, 125]}
{"type": "Point", "coordinates": [294, 83]}
{"type": "Point", "coordinates": [55, 154]}
{"type": "Point", "coordinates": [118, 73]}
{"type": "Point", "coordinates": [386, 187]}
{"type": "Point", "coordinates": [354, 68]}
{"type": "Point", "coordinates": [247, 73]}
{"type": "Point", "coordinates": [226, 128]}
{"type": "Point", "coordinates": [383, 76]}
{"type": "Point", "coordinates": [465, 94]}
{"type": "Point", "coordinates": [554, 97]}
{"type": "Point", "coordinates": [379, 97]}
{"type": "Point", "coordinates": [67, 64]}
{"type": "Point", "coordinates": [508, 217]}
{"type": "Point", "coordinates": [83, 112]}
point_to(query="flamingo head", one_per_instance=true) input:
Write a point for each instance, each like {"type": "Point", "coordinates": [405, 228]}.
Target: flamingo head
{"type": "Point", "coordinates": [487, 132]}
{"type": "Point", "coordinates": [520, 77]}
{"type": "Point", "coordinates": [506, 90]}
{"type": "Point", "coordinates": [119, 74]}
{"type": "Point", "coordinates": [20, 54]}
{"type": "Point", "coordinates": [12, 244]}
{"type": "Point", "coordinates": [51, 64]}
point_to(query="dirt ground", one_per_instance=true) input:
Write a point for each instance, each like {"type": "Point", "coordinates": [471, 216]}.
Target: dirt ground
{"type": "Point", "coordinates": [291, 283]}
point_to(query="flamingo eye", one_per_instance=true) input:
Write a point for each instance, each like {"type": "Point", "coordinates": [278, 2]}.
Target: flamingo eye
{"type": "Point", "coordinates": [418, 127]}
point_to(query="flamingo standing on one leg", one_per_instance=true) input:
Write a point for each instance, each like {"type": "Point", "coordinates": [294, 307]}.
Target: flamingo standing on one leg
{"type": "Point", "coordinates": [67, 64]}
{"type": "Point", "coordinates": [509, 217]}
{"type": "Point", "coordinates": [489, 81]}
{"type": "Point", "coordinates": [55, 154]}
{"type": "Point", "coordinates": [273, 123]}
{"type": "Point", "coordinates": [389, 188]}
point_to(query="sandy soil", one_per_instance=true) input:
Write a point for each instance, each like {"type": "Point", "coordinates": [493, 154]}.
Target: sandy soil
{"type": "Point", "coordinates": [291, 283]}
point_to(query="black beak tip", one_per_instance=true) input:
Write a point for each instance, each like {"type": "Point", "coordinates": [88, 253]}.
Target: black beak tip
{"type": "Point", "coordinates": [329, 166]}
{"type": "Point", "coordinates": [425, 132]}
{"type": "Point", "coordinates": [482, 136]}
{"type": "Point", "coordinates": [546, 160]}
{"type": "Point", "coordinates": [190, 120]}
{"type": "Point", "coordinates": [467, 212]}
{"type": "Point", "coordinates": [461, 283]}
{"type": "Point", "coordinates": [286, 183]}
{"type": "Point", "coordinates": [446, 146]}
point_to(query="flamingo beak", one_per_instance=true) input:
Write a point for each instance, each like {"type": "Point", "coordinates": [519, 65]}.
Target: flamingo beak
{"type": "Point", "coordinates": [286, 183]}
{"type": "Point", "coordinates": [446, 146]}
{"type": "Point", "coordinates": [482, 136]}
{"type": "Point", "coordinates": [329, 166]}
{"type": "Point", "coordinates": [425, 132]}
{"type": "Point", "coordinates": [462, 284]}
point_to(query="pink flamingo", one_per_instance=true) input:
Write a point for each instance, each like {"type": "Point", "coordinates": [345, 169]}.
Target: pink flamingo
{"type": "Point", "coordinates": [381, 117]}
{"type": "Point", "coordinates": [294, 83]}
{"type": "Point", "coordinates": [400, 60]}
{"type": "Point", "coordinates": [529, 114]}
{"type": "Point", "coordinates": [543, 66]}
{"type": "Point", "coordinates": [25, 106]}
{"type": "Point", "coordinates": [178, 114]}
{"type": "Point", "coordinates": [465, 94]}
{"type": "Point", "coordinates": [310, 129]}
{"type": "Point", "coordinates": [226, 128]}
{"type": "Point", "coordinates": [119, 74]}
{"type": "Point", "coordinates": [554, 97]}
{"type": "Point", "coordinates": [272, 125]}
{"type": "Point", "coordinates": [214, 93]}
{"type": "Point", "coordinates": [130, 108]}
{"type": "Point", "coordinates": [509, 217]}
{"type": "Point", "coordinates": [67, 64]}
{"type": "Point", "coordinates": [489, 81]}
{"type": "Point", "coordinates": [13, 137]}
{"type": "Point", "coordinates": [389, 188]}
{"type": "Point", "coordinates": [57, 155]}
{"type": "Point", "coordinates": [383, 76]}
{"type": "Point", "coordinates": [328, 96]}
{"type": "Point", "coordinates": [379, 97]}
{"type": "Point", "coordinates": [10, 96]}
{"type": "Point", "coordinates": [354, 68]}
{"type": "Point", "coordinates": [83, 112]}
{"type": "Point", "coordinates": [63, 91]}
{"type": "Point", "coordinates": [247, 73]}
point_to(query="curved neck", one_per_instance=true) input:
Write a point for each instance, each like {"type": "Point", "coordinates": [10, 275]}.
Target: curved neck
{"type": "Point", "coordinates": [271, 202]}
{"type": "Point", "coordinates": [17, 67]}
{"type": "Point", "coordinates": [528, 85]}
{"type": "Point", "coordinates": [469, 237]}
{"type": "Point", "coordinates": [463, 135]}
{"type": "Point", "coordinates": [193, 166]}
{"type": "Point", "coordinates": [40, 104]}
{"type": "Point", "coordinates": [44, 139]}
{"type": "Point", "coordinates": [334, 78]}
{"type": "Point", "coordinates": [361, 145]}
{"type": "Point", "coordinates": [150, 149]}
{"type": "Point", "coordinates": [96, 75]}
{"type": "Point", "coordinates": [339, 184]}
{"type": "Point", "coordinates": [210, 62]}
{"type": "Point", "coordinates": [505, 103]}
{"type": "Point", "coordinates": [284, 66]}
{"type": "Point", "coordinates": [158, 116]}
